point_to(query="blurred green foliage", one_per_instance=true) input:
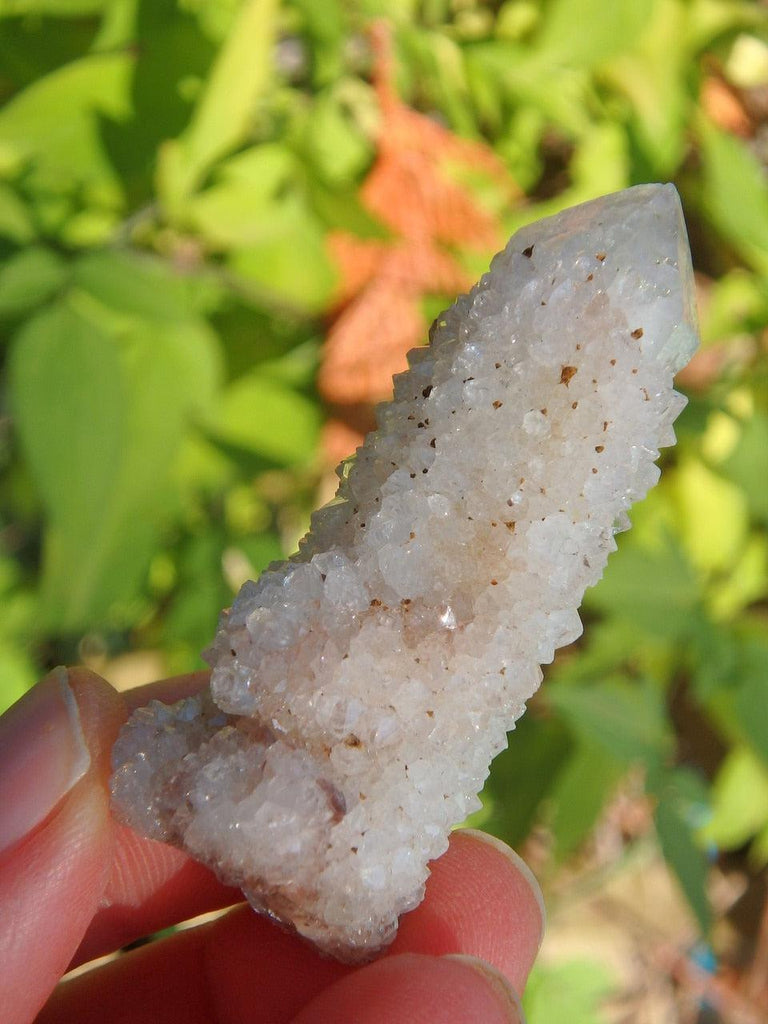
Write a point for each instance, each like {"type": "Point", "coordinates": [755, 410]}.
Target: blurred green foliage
{"type": "Point", "coordinates": [169, 171]}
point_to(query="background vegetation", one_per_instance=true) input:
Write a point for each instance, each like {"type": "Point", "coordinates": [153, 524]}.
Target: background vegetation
{"type": "Point", "coordinates": [188, 192]}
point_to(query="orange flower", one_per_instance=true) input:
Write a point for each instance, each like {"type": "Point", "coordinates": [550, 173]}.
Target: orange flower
{"type": "Point", "coordinates": [378, 315]}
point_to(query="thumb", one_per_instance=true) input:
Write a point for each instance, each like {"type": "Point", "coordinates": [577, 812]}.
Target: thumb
{"type": "Point", "coordinates": [55, 832]}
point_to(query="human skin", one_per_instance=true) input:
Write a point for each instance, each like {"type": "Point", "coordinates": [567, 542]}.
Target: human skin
{"type": "Point", "coordinates": [74, 885]}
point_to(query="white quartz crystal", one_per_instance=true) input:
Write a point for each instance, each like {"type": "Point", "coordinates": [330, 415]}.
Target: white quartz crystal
{"type": "Point", "coordinates": [361, 689]}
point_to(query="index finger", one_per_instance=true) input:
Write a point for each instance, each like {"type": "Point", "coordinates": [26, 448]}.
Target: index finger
{"type": "Point", "coordinates": [480, 902]}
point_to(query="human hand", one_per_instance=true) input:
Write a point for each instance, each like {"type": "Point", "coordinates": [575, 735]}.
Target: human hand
{"type": "Point", "coordinates": [75, 885]}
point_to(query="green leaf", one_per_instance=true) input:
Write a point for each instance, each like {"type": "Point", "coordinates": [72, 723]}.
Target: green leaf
{"type": "Point", "coordinates": [260, 416]}
{"type": "Point", "coordinates": [202, 591]}
{"type": "Point", "coordinates": [682, 803]}
{"type": "Point", "coordinates": [746, 581]}
{"type": "Point", "coordinates": [252, 336]}
{"type": "Point", "coordinates": [67, 399]}
{"type": "Point", "coordinates": [171, 58]}
{"type": "Point", "coordinates": [200, 594]}
{"type": "Point", "coordinates": [249, 192]}
{"type": "Point", "coordinates": [583, 787]}
{"type": "Point", "coordinates": [54, 124]}
{"type": "Point", "coordinates": [268, 169]}
{"type": "Point", "coordinates": [17, 674]}
{"type": "Point", "coordinates": [288, 264]}
{"type": "Point", "coordinates": [101, 414]}
{"type": "Point", "coordinates": [709, 19]}
{"type": "Point", "coordinates": [235, 215]}
{"type": "Point", "coordinates": [601, 163]}
{"type": "Point", "coordinates": [138, 285]}
{"type": "Point", "coordinates": [751, 701]}
{"type": "Point", "coordinates": [223, 115]}
{"type": "Point", "coordinates": [739, 800]}
{"type": "Point", "coordinates": [326, 26]}
{"type": "Point", "coordinates": [734, 195]}
{"type": "Point", "coordinates": [339, 148]}
{"type": "Point", "coordinates": [31, 47]}
{"type": "Point", "coordinates": [747, 465]}
{"type": "Point", "coordinates": [433, 61]}
{"type": "Point", "coordinates": [29, 278]}
{"type": "Point", "coordinates": [627, 719]}
{"type": "Point", "coordinates": [562, 96]}
{"type": "Point", "coordinates": [571, 991]}
{"type": "Point", "coordinates": [57, 8]}
{"type": "Point", "coordinates": [17, 671]}
{"type": "Point", "coordinates": [712, 514]}
{"type": "Point", "coordinates": [655, 590]}
{"type": "Point", "coordinates": [343, 211]}
{"type": "Point", "coordinates": [613, 28]}
{"type": "Point", "coordinates": [654, 75]}
{"type": "Point", "coordinates": [737, 304]}
{"type": "Point", "coordinates": [524, 774]}
{"type": "Point", "coordinates": [69, 405]}
{"type": "Point", "coordinates": [15, 219]}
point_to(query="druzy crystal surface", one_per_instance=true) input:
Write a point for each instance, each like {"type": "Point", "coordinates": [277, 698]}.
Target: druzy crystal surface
{"type": "Point", "coordinates": [361, 689]}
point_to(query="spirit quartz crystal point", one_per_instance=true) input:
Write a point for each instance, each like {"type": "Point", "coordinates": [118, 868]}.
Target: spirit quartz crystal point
{"type": "Point", "coordinates": [361, 689]}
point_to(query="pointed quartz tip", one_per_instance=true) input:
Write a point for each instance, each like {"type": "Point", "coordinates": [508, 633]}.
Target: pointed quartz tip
{"type": "Point", "coordinates": [642, 227]}
{"type": "Point", "coordinates": [360, 689]}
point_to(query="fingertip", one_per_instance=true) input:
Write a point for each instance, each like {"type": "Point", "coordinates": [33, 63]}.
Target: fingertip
{"type": "Point", "coordinates": [497, 981]}
{"type": "Point", "coordinates": [168, 691]}
{"type": "Point", "coordinates": [418, 989]}
{"type": "Point", "coordinates": [519, 865]}
{"type": "Point", "coordinates": [478, 902]}
{"type": "Point", "coordinates": [102, 712]}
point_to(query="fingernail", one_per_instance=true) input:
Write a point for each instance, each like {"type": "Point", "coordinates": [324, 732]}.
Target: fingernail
{"type": "Point", "coordinates": [522, 868]}
{"type": "Point", "coordinates": [510, 998]}
{"type": "Point", "coordinates": [42, 755]}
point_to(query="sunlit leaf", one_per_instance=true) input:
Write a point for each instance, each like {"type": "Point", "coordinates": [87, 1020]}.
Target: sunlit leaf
{"type": "Point", "coordinates": [325, 24]}
{"type": "Point", "coordinates": [58, 8]}
{"type": "Point", "coordinates": [747, 465]}
{"type": "Point", "coordinates": [288, 263]}
{"type": "Point", "coordinates": [29, 278]}
{"type": "Point", "coordinates": [443, 78]}
{"type": "Point", "coordinates": [524, 774]}
{"type": "Point", "coordinates": [100, 416]}
{"type": "Point", "coordinates": [710, 19]}
{"type": "Point", "coordinates": [712, 514]}
{"type": "Point", "coordinates": [223, 115]}
{"type": "Point", "coordinates": [258, 415]}
{"type": "Point", "coordinates": [682, 803]}
{"type": "Point", "coordinates": [739, 800]}
{"type": "Point", "coordinates": [32, 46]}
{"type": "Point", "coordinates": [751, 703]}
{"type": "Point", "coordinates": [734, 195]}
{"type": "Point", "coordinates": [746, 581]}
{"type": "Point", "coordinates": [580, 793]}
{"type": "Point", "coordinates": [626, 719]}
{"type": "Point", "coordinates": [139, 285]}
{"type": "Point", "coordinates": [572, 990]}
{"type": "Point", "coordinates": [17, 670]}
{"type": "Point", "coordinates": [612, 29]}
{"type": "Point", "coordinates": [736, 303]}
{"type": "Point", "coordinates": [654, 77]}
{"type": "Point", "coordinates": [656, 591]}
{"type": "Point", "coordinates": [336, 141]}
{"type": "Point", "coordinates": [54, 123]}
{"type": "Point", "coordinates": [16, 221]}
{"type": "Point", "coordinates": [69, 408]}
